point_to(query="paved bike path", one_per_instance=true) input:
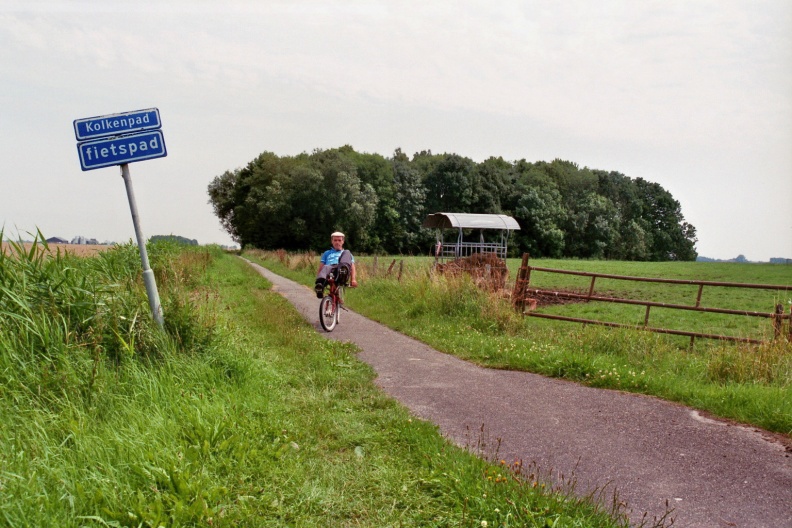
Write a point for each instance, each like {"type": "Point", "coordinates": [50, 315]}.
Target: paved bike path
{"type": "Point", "coordinates": [654, 453]}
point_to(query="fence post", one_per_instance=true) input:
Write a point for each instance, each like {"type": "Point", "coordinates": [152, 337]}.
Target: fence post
{"type": "Point", "coordinates": [591, 288]}
{"type": "Point", "coordinates": [778, 320]}
{"type": "Point", "coordinates": [520, 285]}
{"type": "Point", "coordinates": [790, 324]}
{"type": "Point", "coordinates": [401, 267]}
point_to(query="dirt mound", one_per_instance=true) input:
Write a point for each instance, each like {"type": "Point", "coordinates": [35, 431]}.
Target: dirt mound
{"type": "Point", "coordinates": [487, 270]}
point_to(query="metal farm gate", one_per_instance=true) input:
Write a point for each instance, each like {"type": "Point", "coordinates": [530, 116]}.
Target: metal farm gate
{"type": "Point", "coordinates": [524, 296]}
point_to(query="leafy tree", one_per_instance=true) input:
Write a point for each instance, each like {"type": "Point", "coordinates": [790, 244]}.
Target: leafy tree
{"type": "Point", "coordinates": [242, 197]}
{"type": "Point", "coordinates": [591, 227]}
{"type": "Point", "coordinates": [540, 213]}
{"type": "Point", "coordinates": [377, 171]}
{"type": "Point", "coordinates": [573, 183]}
{"type": "Point", "coordinates": [223, 200]}
{"type": "Point", "coordinates": [634, 242]}
{"type": "Point", "coordinates": [492, 181]}
{"type": "Point", "coordinates": [632, 239]}
{"type": "Point", "coordinates": [354, 208]}
{"type": "Point", "coordinates": [407, 235]}
{"type": "Point", "coordinates": [307, 206]}
{"type": "Point", "coordinates": [450, 185]}
{"type": "Point", "coordinates": [672, 237]}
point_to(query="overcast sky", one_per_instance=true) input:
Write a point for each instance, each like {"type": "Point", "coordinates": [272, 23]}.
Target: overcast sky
{"type": "Point", "coordinates": [694, 95]}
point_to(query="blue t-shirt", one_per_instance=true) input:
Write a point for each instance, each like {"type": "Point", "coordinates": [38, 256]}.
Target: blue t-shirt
{"type": "Point", "coordinates": [331, 256]}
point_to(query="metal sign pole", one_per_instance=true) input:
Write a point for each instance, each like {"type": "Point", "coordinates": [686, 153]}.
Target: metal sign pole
{"type": "Point", "coordinates": [148, 274]}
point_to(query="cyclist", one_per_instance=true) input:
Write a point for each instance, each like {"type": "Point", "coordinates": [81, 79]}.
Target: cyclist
{"type": "Point", "coordinates": [339, 259]}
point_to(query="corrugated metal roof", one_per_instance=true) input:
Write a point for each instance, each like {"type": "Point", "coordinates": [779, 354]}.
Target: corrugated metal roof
{"type": "Point", "coordinates": [471, 221]}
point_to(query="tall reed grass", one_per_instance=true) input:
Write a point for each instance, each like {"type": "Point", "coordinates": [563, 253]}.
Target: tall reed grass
{"type": "Point", "coordinates": [72, 331]}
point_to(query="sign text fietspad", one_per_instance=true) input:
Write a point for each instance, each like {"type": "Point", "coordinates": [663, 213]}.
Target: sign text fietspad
{"type": "Point", "coordinates": [119, 150]}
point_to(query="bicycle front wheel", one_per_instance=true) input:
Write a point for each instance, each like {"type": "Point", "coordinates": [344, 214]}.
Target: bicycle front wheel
{"type": "Point", "coordinates": [327, 313]}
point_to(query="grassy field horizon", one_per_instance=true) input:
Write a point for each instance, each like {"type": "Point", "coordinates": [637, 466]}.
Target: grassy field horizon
{"type": "Point", "coordinates": [747, 383]}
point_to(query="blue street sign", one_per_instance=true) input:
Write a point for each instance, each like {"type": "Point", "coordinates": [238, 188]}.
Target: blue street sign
{"type": "Point", "coordinates": [117, 124]}
{"type": "Point", "coordinates": [119, 150]}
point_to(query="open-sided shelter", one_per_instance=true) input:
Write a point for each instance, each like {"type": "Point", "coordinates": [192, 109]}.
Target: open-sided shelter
{"type": "Point", "coordinates": [451, 228]}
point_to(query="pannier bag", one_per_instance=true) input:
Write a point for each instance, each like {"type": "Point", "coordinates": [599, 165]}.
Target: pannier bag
{"type": "Point", "coordinates": [342, 273]}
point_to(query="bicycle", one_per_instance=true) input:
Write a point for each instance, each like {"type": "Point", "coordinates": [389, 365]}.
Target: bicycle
{"type": "Point", "coordinates": [331, 304]}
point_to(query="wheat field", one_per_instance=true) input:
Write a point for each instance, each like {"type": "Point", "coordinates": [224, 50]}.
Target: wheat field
{"type": "Point", "coordinates": [80, 250]}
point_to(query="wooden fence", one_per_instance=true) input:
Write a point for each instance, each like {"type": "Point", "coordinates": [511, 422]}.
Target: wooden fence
{"type": "Point", "coordinates": [378, 271]}
{"type": "Point", "coordinates": [524, 295]}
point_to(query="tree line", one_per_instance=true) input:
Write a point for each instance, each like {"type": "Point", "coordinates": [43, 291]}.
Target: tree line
{"type": "Point", "coordinates": [564, 211]}
{"type": "Point", "coordinates": [174, 238]}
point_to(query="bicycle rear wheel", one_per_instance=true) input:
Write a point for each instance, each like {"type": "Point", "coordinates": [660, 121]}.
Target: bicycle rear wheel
{"type": "Point", "coordinates": [328, 316]}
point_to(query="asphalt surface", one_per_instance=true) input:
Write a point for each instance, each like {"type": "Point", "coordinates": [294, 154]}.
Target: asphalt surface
{"type": "Point", "coordinates": [658, 456]}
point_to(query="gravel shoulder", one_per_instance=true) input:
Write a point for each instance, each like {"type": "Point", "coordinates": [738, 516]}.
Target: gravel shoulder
{"type": "Point", "coordinates": [656, 455]}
